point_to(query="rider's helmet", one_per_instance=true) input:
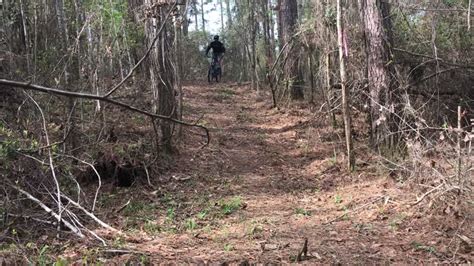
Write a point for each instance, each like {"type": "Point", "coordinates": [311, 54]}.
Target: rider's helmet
{"type": "Point", "coordinates": [216, 37]}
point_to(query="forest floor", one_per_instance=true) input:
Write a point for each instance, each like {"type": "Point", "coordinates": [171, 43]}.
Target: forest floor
{"type": "Point", "coordinates": [269, 180]}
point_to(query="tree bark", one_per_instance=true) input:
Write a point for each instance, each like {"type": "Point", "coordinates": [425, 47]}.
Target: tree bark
{"type": "Point", "coordinates": [185, 21]}
{"type": "Point", "coordinates": [345, 92]}
{"type": "Point", "coordinates": [267, 36]}
{"type": "Point", "coordinates": [178, 34]}
{"type": "Point", "coordinates": [195, 10]}
{"type": "Point", "coordinates": [229, 14]}
{"type": "Point", "coordinates": [25, 36]}
{"type": "Point", "coordinates": [279, 23]}
{"type": "Point", "coordinates": [379, 69]}
{"type": "Point", "coordinates": [203, 20]}
{"type": "Point", "coordinates": [252, 22]}
{"type": "Point", "coordinates": [221, 5]}
{"type": "Point", "coordinates": [289, 26]}
{"type": "Point", "coordinates": [328, 90]}
{"type": "Point", "coordinates": [161, 73]}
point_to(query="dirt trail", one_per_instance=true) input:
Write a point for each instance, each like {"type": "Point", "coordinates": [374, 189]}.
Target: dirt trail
{"type": "Point", "coordinates": [280, 175]}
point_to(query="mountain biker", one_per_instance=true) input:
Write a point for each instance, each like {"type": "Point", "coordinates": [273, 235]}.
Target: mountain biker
{"type": "Point", "coordinates": [218, 49]}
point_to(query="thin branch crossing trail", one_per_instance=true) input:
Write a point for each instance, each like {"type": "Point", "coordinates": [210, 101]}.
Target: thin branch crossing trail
{"type": "Point", "coordinates": [269, 182]}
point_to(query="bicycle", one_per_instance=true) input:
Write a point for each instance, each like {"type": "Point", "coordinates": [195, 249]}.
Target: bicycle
{"type": "Point", "coordinates": [215, 70]}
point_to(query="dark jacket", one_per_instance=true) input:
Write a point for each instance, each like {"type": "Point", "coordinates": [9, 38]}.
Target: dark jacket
{"type": "Point", "coordinates": [217, 47]}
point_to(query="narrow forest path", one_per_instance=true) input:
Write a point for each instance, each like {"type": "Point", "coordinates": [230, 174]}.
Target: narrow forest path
{"type": "Point", "coordinates": [271, 179]}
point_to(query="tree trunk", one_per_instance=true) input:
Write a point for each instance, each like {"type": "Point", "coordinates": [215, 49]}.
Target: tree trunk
{"type": "Point", "coordinates": [379, 70]}
{"type": "Point", "coordinates": [185, 22]}
{"type": "Point", "coordinates": [252, 22]}
{"type": "Point", "coordinates": [289, 25]}
{"type": "Point", "coordinates": [69, 118]}
{"type": "Point", "coordinates": [345, 91]}
{"type": "Point", "coordinates": [161, 73]}
{"type": "Point", "coordinates": [25, 36]}
{"type": "Point", "coordinates": [195, 9]}
{"type": "Point", "coordinates": [229, 14]}
{"type": "Point", "coordinates": [272, 29]}
{"type": "Point", "coordinates": [267, 35]}
{"type": "Point", "coordinates": [328, 93]}
{"type": "Point", "coordinates": [203, 20]}
{"type": "Point", "coordinates": [179, 62]}
{"type": "Point", "coordinates": [221, 5]}
{"type": "Point", "coordinates": [279, 13]}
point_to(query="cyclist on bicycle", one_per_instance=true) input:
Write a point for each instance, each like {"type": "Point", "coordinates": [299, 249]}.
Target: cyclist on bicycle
{"type": "Point", "coordinates": [218, 49]}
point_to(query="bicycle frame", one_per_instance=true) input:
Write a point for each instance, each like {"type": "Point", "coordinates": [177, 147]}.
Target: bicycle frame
{"type": "Point", "coordinates": [215, 70]}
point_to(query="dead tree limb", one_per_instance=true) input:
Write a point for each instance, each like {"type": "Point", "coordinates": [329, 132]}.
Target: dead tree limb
{"type": "Point", "coordinates": [420, 199]}
{"type": "Point", "coordinates": [73, 229]}
{"type": "Point", "coordinates": [98, 178]}
{"type": "Point", "coordinates": [435, 9]}
{"type": "Point", "coordinates": [430, 77]}
{"type": "Point", "coordinates": [51, 163]}
{"type": "Point", "coordinates": [91, 215]}
{"type": "Point", "coordinates": [355, 209]}
{"type": "Point", "coordinates": [31, 218]}
{"type": "Point", "coordinates": [441, 61]}
{"type": "Point", "coordinates": [34, 87]}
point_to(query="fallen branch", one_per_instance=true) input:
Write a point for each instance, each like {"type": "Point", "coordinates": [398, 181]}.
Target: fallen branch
{"type": "Point", "coordinates": [239, 84]}
{"type": "Point", "coordinates": [91, 215]}
{"type": "Point", "coordinates": [34, 87]}
{"type": "Point", "coordinates": [420, 199]}
{"type": "Point", "coordinates": [98, 178]}
{"type": "Point", "coordinates": [354, 210]}
{"type": "Point", "coordinates": [122, 251]}
{"type": "Point", "coordinates": [433, 58]}
{"type": "Point", "coordinates": [48, 210]}
{"type": "Point", "coordinates": [123, 206]}
{"type": "Point", "coordinates": [51, 163]}
{"type": "Point", "coordinates": [435, 9]}
{"type": "Point", "coordinates": [31, 218]}
{"type": "Point", "coordinates": [147, 176]}
{"type": "Point", "coordinates": [431, 76]}
{"type": "Point", "coordinates": [76, 221]}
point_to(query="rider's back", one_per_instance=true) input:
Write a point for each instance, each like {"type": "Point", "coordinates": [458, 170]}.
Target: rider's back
{"type": "Point", "coordinates": [217, 47]}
